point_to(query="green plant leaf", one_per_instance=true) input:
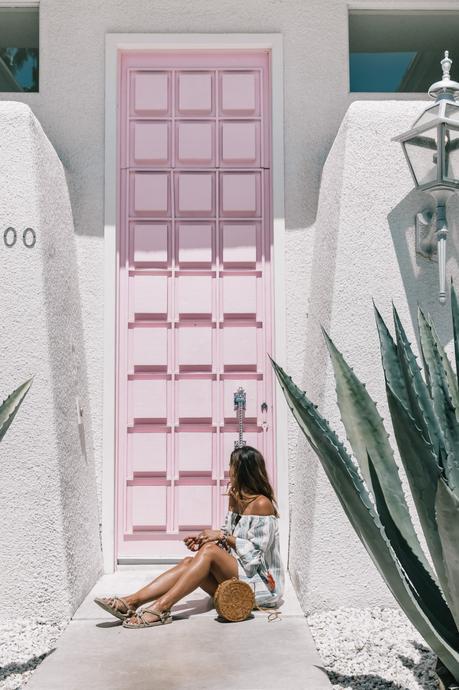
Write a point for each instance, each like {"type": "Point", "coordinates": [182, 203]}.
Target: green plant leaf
{"type": "Point", "coordinates": [366, 433]}
{"type": "Point", "coordinates": [447, 514]}
{"type": "Point", "coordinates": [421, 405]}
{"type": "Point", "coordinates": [390, 360]}
{"type": "Point", "coordinates": [10, 406]}
{"type": "Point", "coordinates": [443, 405]}
{"type": "Point", "coordinates": [354, 498]}
{"type": "Point", "coordinates": [449, 371]}
{"type": "Point", "coordinates": [423, 472]}
{"type": "Point", "coordinates": [455, 316]}
{"type": "Point", "coordinates": [425, 588]}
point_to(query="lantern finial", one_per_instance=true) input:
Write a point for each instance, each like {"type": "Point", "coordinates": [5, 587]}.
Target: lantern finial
{"type": "Point", "coordinates": [446, 64]}
{"type": "Point", "coordinates": [446, 88]}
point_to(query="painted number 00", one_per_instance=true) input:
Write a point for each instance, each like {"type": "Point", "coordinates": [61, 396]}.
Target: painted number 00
{"type": "Point", "coordinates": [10, 237]}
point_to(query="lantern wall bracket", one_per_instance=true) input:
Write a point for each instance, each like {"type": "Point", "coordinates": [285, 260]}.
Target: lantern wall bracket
{"type": "Point", "coordinates": [425, 234]}
{"type": "Point", "coordinates": [431, 235]}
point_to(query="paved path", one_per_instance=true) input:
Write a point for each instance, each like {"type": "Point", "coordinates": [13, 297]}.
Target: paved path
{"type": "Point", "coordinates": [196, 652]}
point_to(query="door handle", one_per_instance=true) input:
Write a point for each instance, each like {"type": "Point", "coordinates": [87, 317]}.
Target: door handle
{"type": "Point", "coordinates": [264, 411]}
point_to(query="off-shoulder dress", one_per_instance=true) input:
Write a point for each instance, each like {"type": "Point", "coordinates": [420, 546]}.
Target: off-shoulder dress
{"type": "Point", "coordinates": [258, 554]}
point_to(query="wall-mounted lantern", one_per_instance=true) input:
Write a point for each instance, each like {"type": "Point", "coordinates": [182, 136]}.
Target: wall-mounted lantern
{"type": "Point", "coordinates": [431, 148]}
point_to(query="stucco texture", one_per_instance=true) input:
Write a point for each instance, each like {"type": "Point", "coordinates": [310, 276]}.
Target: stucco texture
{"type": "Point", "coordinates": [363, 249]}
{"type": "Point", "coordinates": [359, 245]}
{"type": "Point", "coordinates": [49, 539]}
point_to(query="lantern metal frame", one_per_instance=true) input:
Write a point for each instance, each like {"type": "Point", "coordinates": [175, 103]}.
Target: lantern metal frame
{"type": "Point", "coordinates": [441, 123]}
{"type": "Point", "coordinates": [432, 229]}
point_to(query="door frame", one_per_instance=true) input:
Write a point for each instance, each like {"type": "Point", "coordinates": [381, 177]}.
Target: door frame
{"type": "Point", "coordinates": [114, 43]}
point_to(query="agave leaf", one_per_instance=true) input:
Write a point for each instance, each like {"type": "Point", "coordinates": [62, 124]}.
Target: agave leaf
{"type": "Point", "coordinates": [433, 366]}
{"type": "Point", "coordinates": [455, 315]}
{"type": "Point", "coordinates": [443, 405]}
{"type": "Point", "coordinates": [390, 360]}
{"type": "Point", "coordinates": [10, 406]}
{"type": "Point", "coordinates": [421, 405]}
{"type": "Point", "coordinates": [447, 513]}
{"type": "Point", "coordinates": [423, 472]}
{"type": "Point", "coordinates": [353, 496]}
{"type": "Point", "coordinates": [368, 437]}
{"type": "Point", "coordinates": [430, 597]}
{"type": "Point", "coordinates": [449, 371]}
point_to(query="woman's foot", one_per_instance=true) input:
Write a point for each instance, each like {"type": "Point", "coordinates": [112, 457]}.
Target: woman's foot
{"type": "Point", "coordinates": [120, 607]}
{"type": "Point", "coordinates": [148, 618]}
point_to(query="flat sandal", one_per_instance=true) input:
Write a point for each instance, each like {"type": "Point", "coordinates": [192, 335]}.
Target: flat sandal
{"type": "Point", "coordinates": [113, 609]}
{"type": "Point", "coordinates": [165, 617]}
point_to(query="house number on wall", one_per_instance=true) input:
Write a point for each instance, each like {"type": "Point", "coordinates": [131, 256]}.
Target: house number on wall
{"type": "Point", "coordinates": [10, 237]}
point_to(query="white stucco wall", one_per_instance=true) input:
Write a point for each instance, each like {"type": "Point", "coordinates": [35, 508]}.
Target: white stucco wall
{"type": "Point", "coordinates": [49, 539]}
{"type": "Point", "coordinates": [363, 249]}
{"type": "Point", "coordinates": [70, 107]}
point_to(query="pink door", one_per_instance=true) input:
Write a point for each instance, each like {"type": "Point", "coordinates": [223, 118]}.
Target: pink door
{"type": "Point", "coordinates": [194, 288]}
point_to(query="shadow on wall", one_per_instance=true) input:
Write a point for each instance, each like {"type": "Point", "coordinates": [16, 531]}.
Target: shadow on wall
{"type": "Point", "coordinates": [74, 440]}
{"type": "Point", "coordinates": [420, 275]}
{"type": "Point", "coordinates": [49, 542]}
{"type": "Point", "coordinates": [321, 297]}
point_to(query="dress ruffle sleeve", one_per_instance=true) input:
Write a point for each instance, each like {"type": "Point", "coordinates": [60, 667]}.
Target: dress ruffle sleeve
{"type": "Point", "coordinates": [251, 548]}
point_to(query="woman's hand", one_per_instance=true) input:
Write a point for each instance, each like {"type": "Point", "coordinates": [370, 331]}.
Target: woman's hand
{"type": "Point", "coordinates": [209, 535]}
{"type": "Point", "coordinates": [192, 543]}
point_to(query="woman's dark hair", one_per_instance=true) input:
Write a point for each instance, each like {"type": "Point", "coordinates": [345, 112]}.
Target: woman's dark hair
{"type": "Point", "coordinates": [250, 476]}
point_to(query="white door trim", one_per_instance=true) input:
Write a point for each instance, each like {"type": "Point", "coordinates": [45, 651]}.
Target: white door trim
{"type": "Point", "coordinates": [113, 44]}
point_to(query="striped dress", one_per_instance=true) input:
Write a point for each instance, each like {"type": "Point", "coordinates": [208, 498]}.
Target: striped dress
{"type": "Point", "coordinates": [258, 554]}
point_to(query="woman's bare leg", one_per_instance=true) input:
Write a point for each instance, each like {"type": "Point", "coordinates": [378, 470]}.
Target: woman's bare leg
{"type": "Point", "coordinates": [156, 587]}
{"type": "Point", "coordinates": [161, 584]}
{"type": "Point", "coordinates": [210, 560]}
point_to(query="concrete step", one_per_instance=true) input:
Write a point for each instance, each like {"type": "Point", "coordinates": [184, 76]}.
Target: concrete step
{"type": "Point", "coordinates": [196, 652]}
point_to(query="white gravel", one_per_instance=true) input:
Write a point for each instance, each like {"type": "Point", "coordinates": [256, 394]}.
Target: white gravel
{"type": "Point", "coordinates": [369, 649]}
{"type": "Point", "coordinates": [23, 646]}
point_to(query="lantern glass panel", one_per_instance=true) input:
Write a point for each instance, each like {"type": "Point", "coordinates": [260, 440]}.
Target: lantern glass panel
{"type": "Point", "coordinates": [427, 116]}
{"type": "Point", "coordinates": [452, 112]}
{"type": "Point", "coordinates": [422, 154]}
{"type": "Point", "coordinates": [452, 154]}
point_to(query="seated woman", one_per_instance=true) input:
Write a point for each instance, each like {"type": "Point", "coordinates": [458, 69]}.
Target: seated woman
{"type": "Point", "coordinates": [247, 547]}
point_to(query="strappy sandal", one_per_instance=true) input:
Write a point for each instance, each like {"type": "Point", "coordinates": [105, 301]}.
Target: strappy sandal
{"type": "Point", "coordinates": [165, 617]}
{"type": "Point", "coordinates": [114, 610]}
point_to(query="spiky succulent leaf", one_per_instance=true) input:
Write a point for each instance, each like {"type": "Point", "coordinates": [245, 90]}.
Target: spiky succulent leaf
{"type": "Point", "coordinates": [424, 587]}
{"type": "Point", "coordinates": [455, 315]}
{"type": "Point", "coordinates": [449, 371]}
{"type": "Point", "coordinates": [368, 437]}
{"type": "Point", "coordinates": [443, 405]}
{"type": "Point", "coordinates": [421, 406]}
{"type": "Point", "coordinates": [433, 365]}
{"type": "Point", "coordinates": [390, 360]}
{"type": "Point", "coordinates": [354, 498]}
{"type": "Point", "coordinates": [447, 514]}
{"type": "Point", "coordinates": [423, 472]}
{"type": "Point", "coordinates": [10, 406]}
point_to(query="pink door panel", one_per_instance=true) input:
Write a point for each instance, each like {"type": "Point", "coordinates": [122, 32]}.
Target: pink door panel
{"type": "Point", "coordinates": [149, 244]}
{"type": "Point", "coordinates": [151, 143]}
{"type": "Point", "coordinates": [194, 288]}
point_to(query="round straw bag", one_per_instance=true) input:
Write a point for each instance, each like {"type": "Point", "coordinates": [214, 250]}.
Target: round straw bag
{"type": "Point", "coordinates": [234, 600]}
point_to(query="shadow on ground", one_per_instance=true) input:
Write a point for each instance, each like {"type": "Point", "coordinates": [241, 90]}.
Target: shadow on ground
{"type": "Point", "coordinates": [364, 681]}
{"type": "Point", "coordinates": [21, 667]}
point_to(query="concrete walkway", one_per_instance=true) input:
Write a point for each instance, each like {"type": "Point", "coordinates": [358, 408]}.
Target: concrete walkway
{"type": "Point", "coordinates": [196, 652]}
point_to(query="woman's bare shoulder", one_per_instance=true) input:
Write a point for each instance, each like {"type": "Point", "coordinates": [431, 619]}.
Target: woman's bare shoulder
{"type": "Point", "coordinates": [260, 506]}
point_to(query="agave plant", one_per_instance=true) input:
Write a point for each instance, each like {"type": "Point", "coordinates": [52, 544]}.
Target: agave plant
{"type": "Point", "coordinates": [425, 414]}
{"type": "Point", "coordinates": [10, 406]}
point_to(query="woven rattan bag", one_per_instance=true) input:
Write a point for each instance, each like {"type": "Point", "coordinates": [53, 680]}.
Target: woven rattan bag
{"type": "Point", "coordinates": [234, 600]}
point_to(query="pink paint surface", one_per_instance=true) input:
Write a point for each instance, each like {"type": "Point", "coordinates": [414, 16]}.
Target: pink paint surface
{"type": "Point", "coordinates": [194, 292]}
